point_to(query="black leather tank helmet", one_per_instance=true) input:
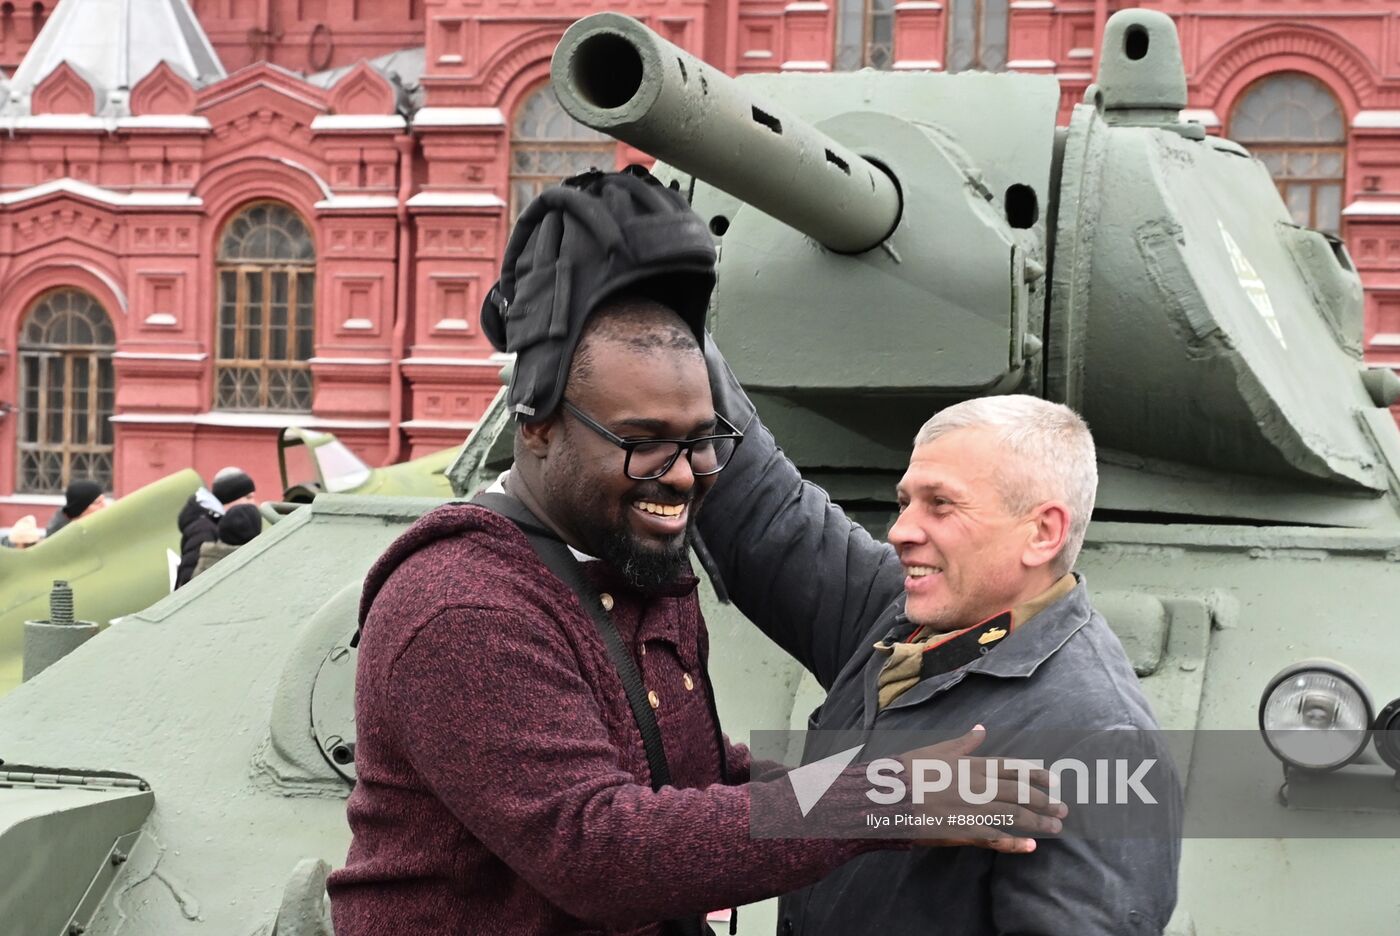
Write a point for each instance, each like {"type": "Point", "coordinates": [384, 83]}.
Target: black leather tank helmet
{"type": "Point", "coordinates": [595, 236]}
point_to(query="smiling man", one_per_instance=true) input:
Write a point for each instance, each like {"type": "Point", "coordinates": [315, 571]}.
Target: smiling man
{"type": "Point", "coordinates": [538, 750]}
{"type": "Point", "coordinates": [992, 514]}
{"type": "Point", "coordinates": [635, 520]}
{"type": "Point", "coordinates": [969, 612]}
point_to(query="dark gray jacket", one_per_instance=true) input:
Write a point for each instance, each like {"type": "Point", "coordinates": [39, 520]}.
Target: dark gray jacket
{"type": "Point", "coordinates": [199, 524]}
{"type": "Point", "coordinates": [821, 587]}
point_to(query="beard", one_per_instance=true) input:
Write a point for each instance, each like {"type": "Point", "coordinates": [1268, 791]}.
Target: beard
{"type": "Point", "coordinates": [646, 568]}
{"type": "Point", "coordinates": [606, 533]}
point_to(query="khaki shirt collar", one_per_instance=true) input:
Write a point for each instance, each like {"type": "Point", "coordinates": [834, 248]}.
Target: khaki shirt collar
{"type": "Point", "coordinates": [903, 668]}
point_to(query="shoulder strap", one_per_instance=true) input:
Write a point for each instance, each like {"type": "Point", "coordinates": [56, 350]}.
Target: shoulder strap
{"type": "Point", "coordinates": [555, 554]}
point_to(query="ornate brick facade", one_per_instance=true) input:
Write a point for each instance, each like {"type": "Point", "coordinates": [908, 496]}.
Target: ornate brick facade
{"type": "Point", "coordinates": [382, 131]}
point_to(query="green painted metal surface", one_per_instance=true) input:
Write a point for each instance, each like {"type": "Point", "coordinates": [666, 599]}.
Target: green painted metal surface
{"type": "Point", "coordinates": [117, 560]}
{"type": "Point", "coordinates": [1248, 513]}
{"type": "Point", "coordinates": [121, 559]}
{"type": "Point", "coordinates": [62, 838]}
{"type": "Point", "coordinates": [313, 462]}
{"type": "Point", "coordinates": [208, 696]}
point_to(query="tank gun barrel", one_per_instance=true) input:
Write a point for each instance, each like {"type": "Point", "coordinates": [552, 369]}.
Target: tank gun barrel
{"type": "Point", "coordinates": [615, 75]}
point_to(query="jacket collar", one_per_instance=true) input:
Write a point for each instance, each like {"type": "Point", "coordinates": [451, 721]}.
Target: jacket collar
{"type": "Point", "coordinates": [1016, 657]}
{"type": "Point", "coordinates": [1022, 652]}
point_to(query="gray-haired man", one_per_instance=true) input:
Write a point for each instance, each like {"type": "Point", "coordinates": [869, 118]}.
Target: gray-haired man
{"type": "Point", "coordinates": [970, 614]}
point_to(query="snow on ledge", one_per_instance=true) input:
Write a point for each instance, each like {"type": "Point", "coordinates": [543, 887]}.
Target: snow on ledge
{"type": "Point", "coordinates": [459, 117]}
{"type": "Point", "coordinates": [357, 202]}
{"type": "Point", "coordinates": [456, 200]}
{"type": "Point", "coordinates": [1201, 115]}
{"type": "Point", "coordinates": [105, 195]}
{"type": "Point", "coordinates": [358, 122]}
{"type": "Point", "coordinates": [1372, 208]}
{"type": "Point", "coordinates": [1377, 120]}
{"type": "Point", "coordinates": [248, 420]}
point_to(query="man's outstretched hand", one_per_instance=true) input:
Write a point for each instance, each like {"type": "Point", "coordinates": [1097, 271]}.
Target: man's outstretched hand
{"type": "Point", "coordinates": [1020, 807]}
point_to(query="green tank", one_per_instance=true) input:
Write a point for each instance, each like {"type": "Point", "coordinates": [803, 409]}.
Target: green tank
{"type": "Point", "coordinates": [124, 558]}
{"type": "Point", "coordinates": [119, 560]}
{"type": "Point", "coordinates": [889, 243]}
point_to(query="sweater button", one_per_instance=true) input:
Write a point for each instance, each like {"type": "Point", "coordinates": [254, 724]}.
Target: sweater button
{"type": "Point", "coordinates": [654, 699]}
{"type": "Point", "coordinates": [689, 683]}
{"type": "Point", "coordinates": [607, 601]}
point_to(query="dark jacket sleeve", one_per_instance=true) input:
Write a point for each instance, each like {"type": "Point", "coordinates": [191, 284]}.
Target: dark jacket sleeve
{"type": "Point", "coordinates": [202, 530]}
{"type": "Point", "coordinates": [496, 717]}
{"type": "Point", "coordinates": [1077, 887]}
{"type": "Point", "coordinates": [808, 576]}
{"type": "Point", "coordinates": [195, 537]}
{"type": "Point", "coordinates": [1118, 880]}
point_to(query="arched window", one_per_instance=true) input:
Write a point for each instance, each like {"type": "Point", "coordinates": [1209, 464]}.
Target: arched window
{"type": "Point", "coordinates": [1293, 123]}
{"type": "Point", "coordinates": [66, 393]}
{"type": "Point", "coordinates": [267, 311]}
{"type": "Point", "coordinates": [547, 145]}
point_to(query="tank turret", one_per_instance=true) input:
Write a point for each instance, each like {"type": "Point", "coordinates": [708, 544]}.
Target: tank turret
{"type": "Point", "coordinates": [944, 282]}
{"type": "Point", "coordinates": [1182, 304]}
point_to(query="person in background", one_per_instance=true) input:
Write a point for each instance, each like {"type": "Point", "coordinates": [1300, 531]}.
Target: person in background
{"type": "Point", "coordinates": [80, 499]}
{"type": "Point", "coordinates": [23, 534]}
{"type": "Point", "coordinates": [237, 527]}
{"type": "Point", "coordinates": [199, 518]}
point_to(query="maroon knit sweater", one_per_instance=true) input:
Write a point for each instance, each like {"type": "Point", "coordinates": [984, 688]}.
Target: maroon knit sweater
{"type": "Point", "coordinates": [503, 786]}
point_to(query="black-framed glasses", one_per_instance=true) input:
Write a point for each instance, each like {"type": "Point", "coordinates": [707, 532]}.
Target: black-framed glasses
{"type": "Point", "coordinates": [649, 459]}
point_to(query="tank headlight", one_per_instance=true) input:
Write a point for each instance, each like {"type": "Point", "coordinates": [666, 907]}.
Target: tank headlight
{"type": "Point", "coordinates": [1387, 733]}
{"type": "Point", "coordinates": [1316, 715]}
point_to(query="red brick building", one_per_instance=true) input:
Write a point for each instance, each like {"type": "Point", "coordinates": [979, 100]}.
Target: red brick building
{"type": "Point", "coordinates": [222, 218]}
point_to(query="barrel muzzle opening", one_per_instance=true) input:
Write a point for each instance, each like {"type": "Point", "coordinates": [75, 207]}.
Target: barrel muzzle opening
{"type": "Point", "coordinates": [606, 70]}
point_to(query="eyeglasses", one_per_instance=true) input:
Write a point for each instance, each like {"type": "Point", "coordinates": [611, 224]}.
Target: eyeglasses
{"type": "Point", "coordinates": [649, 459]}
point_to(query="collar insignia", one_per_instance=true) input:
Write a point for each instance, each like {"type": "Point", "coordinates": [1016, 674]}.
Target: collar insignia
{"type": "Point", "coordinates": [996, 633]}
